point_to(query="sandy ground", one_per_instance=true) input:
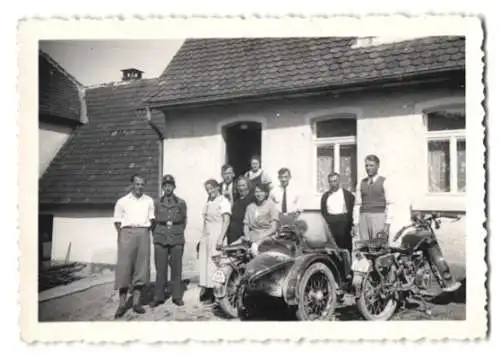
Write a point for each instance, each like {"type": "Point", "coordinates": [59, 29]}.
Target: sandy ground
{"type": "Point", "coordinates": [99, 304]}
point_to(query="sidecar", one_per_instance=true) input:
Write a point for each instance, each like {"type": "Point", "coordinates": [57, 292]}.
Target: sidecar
{"type": "Point", "coordinates": [303, 267]}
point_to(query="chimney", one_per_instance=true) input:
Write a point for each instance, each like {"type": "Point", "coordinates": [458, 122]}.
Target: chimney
{"type": "Point", "coordinates": [130, 74]}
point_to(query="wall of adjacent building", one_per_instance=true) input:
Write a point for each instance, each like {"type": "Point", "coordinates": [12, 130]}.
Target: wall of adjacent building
{"type": "Point", "coordinates": [51, 137]}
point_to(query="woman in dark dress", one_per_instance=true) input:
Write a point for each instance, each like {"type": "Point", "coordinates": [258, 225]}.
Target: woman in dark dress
{"type": "Point", "coordinates": [245, 197]}
{"type": "Point", "coordinates": [256, 174]}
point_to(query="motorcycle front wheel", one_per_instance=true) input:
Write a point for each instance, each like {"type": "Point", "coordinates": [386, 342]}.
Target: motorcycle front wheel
{"type": "Point", "coordinates": [228, 303]}
{"type": "Point", "coordinates": [371, 303]}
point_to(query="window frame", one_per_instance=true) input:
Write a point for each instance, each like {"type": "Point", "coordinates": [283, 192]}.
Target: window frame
{"type": "Point", "coordinates": [336, 142]}
{"type": "Point", "coordinates": [452, 136]}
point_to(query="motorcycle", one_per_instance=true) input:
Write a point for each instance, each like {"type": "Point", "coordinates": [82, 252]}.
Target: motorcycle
{"type": "Point", "coordinates": [386, 277]}
{"type": "Point", "coordinates": [231, 265]}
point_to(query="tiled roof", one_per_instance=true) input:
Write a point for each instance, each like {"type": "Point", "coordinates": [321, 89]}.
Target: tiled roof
{"type": "Point", "coordinates": [206, 70]}
{"type": "Point", "coordinates": [60, 94]}
{"type": "Point", "coordinates": [95, 165]}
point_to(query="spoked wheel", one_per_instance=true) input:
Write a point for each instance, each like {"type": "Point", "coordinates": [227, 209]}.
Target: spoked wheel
{"type": "Point", "coordinates": [374, 303]}
{"type": "Point", "coordinates": [317, 294]}
{"type": "Point", "coordinates": [229, 302]}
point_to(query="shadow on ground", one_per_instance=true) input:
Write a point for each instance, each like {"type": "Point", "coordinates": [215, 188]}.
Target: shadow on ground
{"type": "Point", "coordinates": [58, 275]}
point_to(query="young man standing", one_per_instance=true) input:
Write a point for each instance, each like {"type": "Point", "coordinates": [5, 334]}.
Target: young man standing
{"type": "Point", "coordinates": [373, 206]}
{"type": "Point", "coordinates": [286, 197]}
{"type": "Point", "coordinates": [133, 216]}
{"type": "Point", "coordinates": [168, 237]}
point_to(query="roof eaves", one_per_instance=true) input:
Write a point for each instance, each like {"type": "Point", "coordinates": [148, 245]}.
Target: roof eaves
{"type": "Point", "coordinates": [152, 104]}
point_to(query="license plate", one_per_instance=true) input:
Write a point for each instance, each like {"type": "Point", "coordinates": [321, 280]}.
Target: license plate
{"type": "Point", "coordinates": [219, 277]}
{"type": "Point", "coordinates": [361, 265]}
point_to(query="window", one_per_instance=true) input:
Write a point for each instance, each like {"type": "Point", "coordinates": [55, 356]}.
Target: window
{"type": "Point", "coordinates": [446, 150]}
{"type": "Point", "coordinates": [335, 151]}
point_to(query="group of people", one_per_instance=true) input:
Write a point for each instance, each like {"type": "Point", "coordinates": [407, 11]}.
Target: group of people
{"type": "Point", "coordinates": [249, 208]}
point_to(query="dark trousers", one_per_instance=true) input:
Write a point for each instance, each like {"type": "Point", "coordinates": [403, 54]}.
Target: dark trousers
{"type": "Point", "coordinates": [340, 228]}
{"type": "Point", "coordinates": [165, 256]}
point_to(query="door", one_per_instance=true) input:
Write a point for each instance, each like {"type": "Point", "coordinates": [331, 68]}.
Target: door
{"type": "Point", "coordinates": [243, 140]}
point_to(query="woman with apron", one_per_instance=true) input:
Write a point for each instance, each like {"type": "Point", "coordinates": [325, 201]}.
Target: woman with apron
{"type": "Point", "coordinates": [216, 215]}
{"type": "Point", "coordinates": [256, 175]}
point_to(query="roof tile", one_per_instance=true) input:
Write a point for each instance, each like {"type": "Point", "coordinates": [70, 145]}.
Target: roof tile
{"type": "Point", "coordinates": [213, 69]}
{"type": "Point", "coordinates": [95, 165]}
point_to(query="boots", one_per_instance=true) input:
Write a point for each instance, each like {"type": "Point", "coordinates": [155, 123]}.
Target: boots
{"type": "Point", "coordinates": [137, 307]}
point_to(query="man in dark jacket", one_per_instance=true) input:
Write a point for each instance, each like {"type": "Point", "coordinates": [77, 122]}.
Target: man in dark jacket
{"type": "Point", "coordinates": [168, 237]}
{"type": "Point", "coordinates": [228, 185]}
{"type": "Point", "coordinates": [337, 207]}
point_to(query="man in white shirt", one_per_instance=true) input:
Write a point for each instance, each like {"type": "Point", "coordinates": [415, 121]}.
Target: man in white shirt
{"type": "Point", "coordinates": [286, 197]}
{"type": "Point", "coordinates": [373, 206]}
{"type": "Point", "coordinates": [133, 216]}
{"type": "Point", "coordinates": [336, 207]}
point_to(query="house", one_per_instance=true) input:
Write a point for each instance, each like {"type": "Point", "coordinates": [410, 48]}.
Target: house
{"type": "Point", "coordinates": [61, 108]}
{"type": "Point", "coordinates": [92, 170]}
{"type": "Point", "coordinates": [315, 105]}
{"type": "Point", "coordinates": [61, 111]}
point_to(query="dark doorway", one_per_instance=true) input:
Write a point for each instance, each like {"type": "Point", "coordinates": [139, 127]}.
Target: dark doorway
{"type": "Point", "coordinates": [243, 140]}
{"type": "Point", "coordinates": [45, 226]}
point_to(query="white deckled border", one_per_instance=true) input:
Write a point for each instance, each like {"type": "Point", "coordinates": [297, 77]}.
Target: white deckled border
{"type": "Point", "coordinates": [475, 326]}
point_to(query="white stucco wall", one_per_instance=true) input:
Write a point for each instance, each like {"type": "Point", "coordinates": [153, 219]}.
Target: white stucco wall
{"type": "Point", "coordinates": [387, 123]}
{"type": "Point", "coordinates": [51, 138]}
{"type": "Point", "coordinates": [87, 235]}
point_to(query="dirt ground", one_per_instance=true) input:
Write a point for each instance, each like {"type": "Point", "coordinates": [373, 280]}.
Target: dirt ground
{"type": "Point", "coordinates": [99, 304]}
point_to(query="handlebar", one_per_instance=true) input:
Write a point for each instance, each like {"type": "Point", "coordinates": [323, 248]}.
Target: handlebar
{"type": "Point", "coordinates": [433, 218]}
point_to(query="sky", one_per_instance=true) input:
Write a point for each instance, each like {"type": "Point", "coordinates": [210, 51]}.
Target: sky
{"type": "Point", "coordinates": [94, 62]}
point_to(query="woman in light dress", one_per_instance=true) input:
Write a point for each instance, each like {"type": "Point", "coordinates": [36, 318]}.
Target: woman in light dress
{"type": "Point", "coordinates": [261, 218]}
{"type": "Point", "coordinates": [216, 217]}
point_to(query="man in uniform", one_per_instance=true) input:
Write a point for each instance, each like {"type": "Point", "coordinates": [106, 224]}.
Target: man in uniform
{"type": "Point", "coordinates": [133, 216]}
{"type": "Point", "coordinates": [168, 237]}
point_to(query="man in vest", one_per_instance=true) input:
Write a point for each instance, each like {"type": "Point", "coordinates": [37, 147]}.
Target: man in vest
{"type": "Point", "coordinates": [373, 206]}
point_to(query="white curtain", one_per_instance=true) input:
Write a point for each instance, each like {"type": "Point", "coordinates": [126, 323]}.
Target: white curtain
{"type": "Point", "coordinates": [348, 167]}
{"type": "Point", "coordinates": [439, 166]}
{"type": "Point", "coordinates": [324, 166]}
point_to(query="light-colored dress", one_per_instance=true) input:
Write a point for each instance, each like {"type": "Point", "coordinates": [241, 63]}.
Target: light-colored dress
{"type": "Point", "coordinates": [212, 226]}
{"type": "Point", "coordinates": [259, 219]}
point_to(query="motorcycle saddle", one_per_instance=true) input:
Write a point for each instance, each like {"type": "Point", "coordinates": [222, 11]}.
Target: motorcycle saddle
{"type": "Point", "coordinates": [234, 248]}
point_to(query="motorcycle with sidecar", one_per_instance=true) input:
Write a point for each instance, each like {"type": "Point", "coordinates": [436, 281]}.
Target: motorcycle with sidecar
{"type": "Point", "coordinates": [302, 266]}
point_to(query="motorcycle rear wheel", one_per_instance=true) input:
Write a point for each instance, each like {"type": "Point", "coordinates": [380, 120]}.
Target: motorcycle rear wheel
{"type": "Point", "coordinates": [365, 303]}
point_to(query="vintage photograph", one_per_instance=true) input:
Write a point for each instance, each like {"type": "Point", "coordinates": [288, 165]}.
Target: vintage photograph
{"type": "Point", "coordinates": [264, 178]}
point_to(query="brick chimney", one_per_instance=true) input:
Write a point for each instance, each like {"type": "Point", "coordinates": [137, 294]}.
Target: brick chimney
{"type": "Point", "coordinates": [131, 74]}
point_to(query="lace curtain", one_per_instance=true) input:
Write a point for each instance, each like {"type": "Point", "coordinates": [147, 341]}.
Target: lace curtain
{"type": "Point", "coordinates": [325, 165]}
{"type": "Point", "coordinates": [439, 166]}
{"type": "Point", "coordinates": [348, 167]}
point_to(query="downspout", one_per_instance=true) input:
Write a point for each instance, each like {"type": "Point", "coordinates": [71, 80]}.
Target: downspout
{"type": "Point", "coordinates": [160, 147]}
